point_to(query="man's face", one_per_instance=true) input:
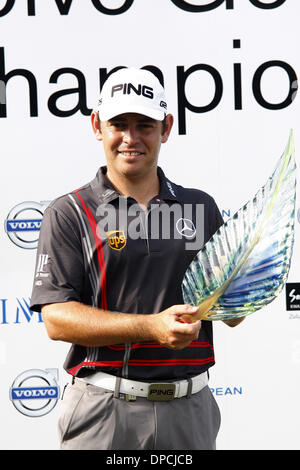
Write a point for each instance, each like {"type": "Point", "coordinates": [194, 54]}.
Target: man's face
{"type": "Point", "coordinates": [131, 142]}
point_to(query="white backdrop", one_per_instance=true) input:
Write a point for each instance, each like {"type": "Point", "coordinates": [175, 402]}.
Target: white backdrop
{"type": "Point", "coordinates": [229, 151]}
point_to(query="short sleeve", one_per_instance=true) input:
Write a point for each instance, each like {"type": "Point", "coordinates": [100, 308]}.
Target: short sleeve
{"type": "Point", "coordinates": [59, 269]}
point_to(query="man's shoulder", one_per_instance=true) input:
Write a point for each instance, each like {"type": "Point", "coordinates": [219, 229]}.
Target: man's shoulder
{"type": "Point", "coordinates": [65, 203]}
{"type": "Point", "coordinates": [184, 194]}
{"type": "Point", "coordinates": [187, 195]}
{"type": "Point", "coordinates": [197, 197]}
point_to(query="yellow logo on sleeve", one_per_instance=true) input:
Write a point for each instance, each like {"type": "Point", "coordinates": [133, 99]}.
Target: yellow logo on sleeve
{"type": "Point", "coordinates": [116, 239]}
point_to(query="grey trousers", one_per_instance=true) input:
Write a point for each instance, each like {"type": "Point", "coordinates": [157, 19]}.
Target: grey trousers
{"type": "Point", "coordinates": [93, 419]}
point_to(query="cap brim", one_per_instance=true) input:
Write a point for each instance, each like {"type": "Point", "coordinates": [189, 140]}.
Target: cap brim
{"type": "Point", "coordinates": [156, 114]}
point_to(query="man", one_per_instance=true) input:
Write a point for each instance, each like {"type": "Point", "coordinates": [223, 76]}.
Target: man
{"type": "Point", "coordinates": [114, 253]}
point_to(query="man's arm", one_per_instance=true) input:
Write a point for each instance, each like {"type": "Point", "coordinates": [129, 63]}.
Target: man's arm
{"type": "Point", "coordinates": [81, 324]}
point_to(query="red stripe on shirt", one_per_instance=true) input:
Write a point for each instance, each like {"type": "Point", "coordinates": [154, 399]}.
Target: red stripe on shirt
{"type": "Point", "coordinates": [99, 248]}
{"type": "Point", "coordinates": [169, 362]}
{"type": "Point", "coordinates": [143, 362]}
{"type": "Point", "coordinates": [94, 364]}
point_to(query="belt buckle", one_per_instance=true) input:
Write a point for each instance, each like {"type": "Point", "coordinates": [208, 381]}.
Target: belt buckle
{"type": "Point", "coordinates": [161, 392]}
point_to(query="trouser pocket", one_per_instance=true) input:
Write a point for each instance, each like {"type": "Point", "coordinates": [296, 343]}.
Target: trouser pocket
{"type": "Point", "coordinates": [70, 401]}
{"type": "Point", "coordinates": [84, 421]}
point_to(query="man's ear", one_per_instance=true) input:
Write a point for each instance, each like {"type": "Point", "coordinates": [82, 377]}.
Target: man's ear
{"type": "Point", "coordinates": [96, 125]}
{"type": "Point", "coordinates": [168, 127]}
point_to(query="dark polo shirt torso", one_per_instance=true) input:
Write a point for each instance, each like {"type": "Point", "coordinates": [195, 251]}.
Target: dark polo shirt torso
{"type": "Point", "coordinates": [100, 248]}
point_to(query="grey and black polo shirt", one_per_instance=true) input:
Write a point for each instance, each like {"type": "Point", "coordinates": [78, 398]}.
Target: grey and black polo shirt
{"type": "Point", "coordinates": [102, 249]}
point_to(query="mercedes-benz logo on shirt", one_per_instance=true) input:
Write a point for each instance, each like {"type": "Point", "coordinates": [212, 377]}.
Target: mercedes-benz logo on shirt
{"type": "Point", "coordinates": [186, 228]}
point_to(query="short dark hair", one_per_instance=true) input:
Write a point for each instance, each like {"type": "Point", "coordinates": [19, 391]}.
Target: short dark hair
{"type": "Point", "coordinates": [163, 122]}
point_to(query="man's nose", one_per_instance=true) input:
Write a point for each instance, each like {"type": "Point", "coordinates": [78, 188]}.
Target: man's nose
{"type": "Point", "coordinates": [130, 135]}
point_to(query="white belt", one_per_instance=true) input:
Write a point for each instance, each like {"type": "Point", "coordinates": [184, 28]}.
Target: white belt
{"type": "Point", "coordinates": [153, 391]}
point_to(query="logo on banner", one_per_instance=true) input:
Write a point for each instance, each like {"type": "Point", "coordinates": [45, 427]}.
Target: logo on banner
{"type": "Point", "coordinates": [226, 213]}
{"type": "Point", "coordinates": [183, 76]}
{"type": "Point", "coordinates": [227, 390]}
{"type": "Point", "coordinates": [23, 223]}
{"type": "Point", "coordinates": [35, 392]}
{"type": "Point", "coordinates": [18, 312]}
{"type": "Point", "coordinates": [292, 292]}
{"type": "Point", "coordinates": [198, 6]}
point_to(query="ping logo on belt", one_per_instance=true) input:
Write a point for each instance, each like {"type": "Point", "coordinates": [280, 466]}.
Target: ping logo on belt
{"type": "Point", "coordinates": [116, 239]}
{"type": "Point", "coordinates": [161, 392]}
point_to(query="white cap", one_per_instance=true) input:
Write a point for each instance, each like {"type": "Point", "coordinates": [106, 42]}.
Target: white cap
{"type": "Point", "coordinates": [132, 90]}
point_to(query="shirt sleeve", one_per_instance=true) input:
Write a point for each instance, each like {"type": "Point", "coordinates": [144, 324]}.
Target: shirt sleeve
{"type": "Point", "coordinates": [59, 269]}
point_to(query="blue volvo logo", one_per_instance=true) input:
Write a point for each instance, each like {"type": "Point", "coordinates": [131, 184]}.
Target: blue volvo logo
{"type": "Point", "coordinates": [23, 223]}
{"type": "Point", "coordinates": [35, 392]}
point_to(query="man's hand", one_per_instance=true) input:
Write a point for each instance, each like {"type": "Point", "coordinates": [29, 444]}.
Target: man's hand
{"type": "Point", "coordinates": [171, 330]}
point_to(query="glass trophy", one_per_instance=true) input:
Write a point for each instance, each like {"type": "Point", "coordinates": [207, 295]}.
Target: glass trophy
{"type": "Point", "coordinates": [245, 264]}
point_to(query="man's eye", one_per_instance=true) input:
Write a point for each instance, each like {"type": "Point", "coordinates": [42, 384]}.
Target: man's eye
{"type": "Point", "coordinates": [118, 125]}
{"type": "Point", "coordinates": [146, 125]}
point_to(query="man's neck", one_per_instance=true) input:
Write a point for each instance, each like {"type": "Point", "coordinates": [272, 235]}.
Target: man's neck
{"type": "Point", "coordinates": [142, 189]}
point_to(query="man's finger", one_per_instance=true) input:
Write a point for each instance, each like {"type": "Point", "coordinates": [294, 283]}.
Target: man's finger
{"type": "Point", "coordinates": [188, 316]}
{"type": "Point", "coordinates": [189, 328]}
{"type": "Point", "coordinates": [185, 309]}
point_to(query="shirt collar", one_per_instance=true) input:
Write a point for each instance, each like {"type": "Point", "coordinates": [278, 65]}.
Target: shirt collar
{"type": "Point", "coordinates": [103, 188]}
{"type": "Point", "coordinates": [168, 191]}
{"type": "Point", "coordinates": [106, 192]}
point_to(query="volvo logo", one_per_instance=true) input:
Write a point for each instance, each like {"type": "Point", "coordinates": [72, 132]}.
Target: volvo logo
{"type": "Point", "coordinates": [35, 392]}
{"type": "Point", "coordinates": [186, 228]}
{"type": "Point", "coordinates": [23, 223]}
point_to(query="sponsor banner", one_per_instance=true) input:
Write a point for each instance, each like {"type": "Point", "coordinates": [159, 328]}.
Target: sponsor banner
{"type": "Point", "coordinates": [231, 70]}
{"type": "Point", "coordinates": [182, 75]}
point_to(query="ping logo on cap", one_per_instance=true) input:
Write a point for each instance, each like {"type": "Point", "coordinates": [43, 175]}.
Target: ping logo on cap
{"type": "Point", "coordinates": [127, 88]}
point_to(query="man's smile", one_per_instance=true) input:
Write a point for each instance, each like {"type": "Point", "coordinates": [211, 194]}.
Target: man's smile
{"type": "Point", "coordinates": [130, 154]}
